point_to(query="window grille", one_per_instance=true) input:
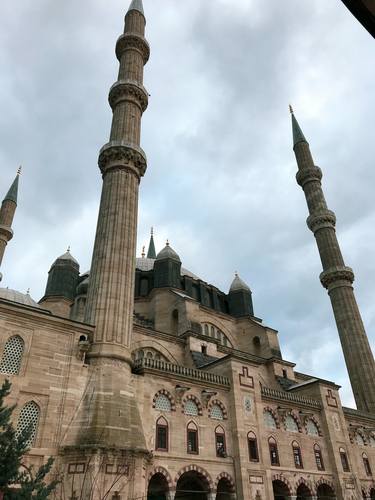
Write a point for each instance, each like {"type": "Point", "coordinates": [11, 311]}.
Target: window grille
{"type": "Point", "coordinates": [297, 455]}
{"type": "Point", "coordinates": [217, 413]}
{"type": "Point", "coordinates": [191, 408]}
{"type": "Point", "coordinates": [12, 357]}
{"type": "Point", "coordinates": [29, 418]}
{"type": "Point", "coordinates": [162, 403]}
{"type": "Point", "coordinates": [269, 420]}
{"type": "Point", "coordinates": [291, 424]}
{"type": "Point", "coordinates": [312, 429]}
{"type": "Point", "coordinates": [318, 458]}
{"type": "Point", "coordinates": [359, 439]}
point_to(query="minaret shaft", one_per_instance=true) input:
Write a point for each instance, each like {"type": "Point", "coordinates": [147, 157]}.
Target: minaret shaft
{"type": "Point", "coordinates": [122, 163]}
{"type": "Point", "coordinates": [7, 212]}
{"type": "Point", "coordinates": [337, 279]}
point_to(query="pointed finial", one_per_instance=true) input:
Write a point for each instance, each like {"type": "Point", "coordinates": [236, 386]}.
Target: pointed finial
{"type": "Point", "coordinates": [19, 170]}
{"type": "Point", "coordinates": [68, 250]}
{"type": "Point", "coordinates": [143, 252]}
{"type": "Point", "coordinates": [152, 231]}
{"type": "Point", "coordinates": [297, 131]}
{"type": "Point", "coordinates": [28, 291]}
{"type": "Point", "coordinates": [12, 194]}
{"type": "Point", "coordinates": [291, 109]}
{"type": "Point", "coordinates": [167, 243]}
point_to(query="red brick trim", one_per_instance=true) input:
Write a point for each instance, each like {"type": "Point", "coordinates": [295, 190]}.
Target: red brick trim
{"type": "Point", "coordinates": [163, 472]}
{"type": "Point", "coordinates": [200, 471]}
{"type": "Point", "coordinates": [225, 475]}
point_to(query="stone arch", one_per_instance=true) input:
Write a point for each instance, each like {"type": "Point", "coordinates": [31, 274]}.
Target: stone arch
{"type": "Point", "coordinates": [199, 470]}
{"type": "Point", "coordinates": [283, 479]}
{"type": "Point", "coordinates": [192, 397]}
{"type": "Point", "coordinates": [372, 493]}
{"type": "Point", "coordinates": [307, 484]}
{"type": "Point", "coordinates": [228, 477]}
{"type": "Point", "coordinates": [163, 472]}
{"type": "Point", "coordinates": [166, 393]}
{"type": "Point", "coordinates": [274, 414]}
{"type": "Point", "coordinates": [282, 489]}
{"type": "Point", "coordinates": [221, 406]}
{"type": "Point", "coordinates": [295, 417]}
{"type": "Point", "coordinates": [323, 482]}
{"type": "Point", "coordinates": [315, 420]}
{"type": "Point", "coordinates": [220, 326]}
{"type": "Point", "coordinates": [154, 344]}
{"type": "Point", "coordinates": [360, 433]}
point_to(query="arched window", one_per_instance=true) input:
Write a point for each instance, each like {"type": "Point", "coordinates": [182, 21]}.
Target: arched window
{"type": "Point", "coordinates": [216, 412]}
{"type": "Point", "coordinates": [29, 418]}
{"type": "Point", "coordinates": [12, 356]}
{"type": "Point", "coordinates": [161, 441]}
{"type": "Point", "coordinates": [252, 445]}
{"type": "Point", "coordinates": [274, 454]}
{"type": "Point", "coordinates": [290, 424]}
{"type": "Point", "coordinates": [312, 428]}
{"type": "Point", "coordinates": [297, 455]}
{"type": "Point", "coordinates": [359, 439]}
{"type": "Point", "coordinates": [162, 403]}
{"type": "Point", "coordinates": [366, 464]}
{"type": "Point", "coordinates": [191, 408]}
{"type": "Point", "coordinates": [344, 460]}
{"type": "Point", "coordinates": [269, 420]}
{"type": "Point", "coordinates": [318, 457]}
{"type": "Point", "coordinates": [192, 438]}
{"type": "Point", "coordinates": [221, 449]}
{"type": "Point", "coordinates": [206, 330]}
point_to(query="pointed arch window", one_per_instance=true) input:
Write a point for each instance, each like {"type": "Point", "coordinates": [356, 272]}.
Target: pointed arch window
{"type": "Point", "coordinates": [252, 445]}
{"type": "Point", "coordinates": [12, 355]}
{"type": "Point", "coordinates": [162, 434]}
{"type": "Point", "coordinates": [344, 460]}
{"type": "Point", "coordinates": [221, 448]}
{"type": "Point", "coordinates": [274, 453]}
{"type": "Point", "coordinates": [297, 455]}
{"type": "Point", "coordinates": [366, 464]}
{"type": "Point", "coordinates": [192, 438]}
{"type": "Point", "coordinates": [29, 419]}
{"type": "Point", "coordinates": [318, 457]}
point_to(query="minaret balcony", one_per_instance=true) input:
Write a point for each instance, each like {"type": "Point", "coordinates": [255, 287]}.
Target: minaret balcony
{"type": "Point", "coordinates": [122, 155]}
{"type": "Point", "coordinates": [133, 41]}
{"type": "Point", "coordinates": [317, 221]}
{"type": "Point", "coordinates": [310, 174]}
{"type": "Point", "coordinates": [128, 90]}
{"type": "Point", "coordinates": [337, 276]}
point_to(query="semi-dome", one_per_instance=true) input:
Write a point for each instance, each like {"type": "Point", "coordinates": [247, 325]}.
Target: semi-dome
{"type": "Point", "coordinates": [18, 297]}
{"type": "Point", "coordinates": [168, 253]}
{"type": "Point", "coordinates": [238, 284]}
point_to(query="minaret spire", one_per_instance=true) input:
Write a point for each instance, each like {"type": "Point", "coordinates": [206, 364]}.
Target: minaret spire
{"type": "Point", "coordinates": [336, 277]}
{"type": "Point", "coordinates": [115, 419]}
{"type": "Point", "coordinates": [7, 211]}
{"type": "Point", "coordinates": [151, 253]}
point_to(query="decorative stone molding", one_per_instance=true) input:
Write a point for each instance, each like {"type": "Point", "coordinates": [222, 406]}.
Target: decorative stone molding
{"type": "Point", "coordinates": [274, 414]}
{"type": "Point", "coordinates": [128, 90]}
{"type": "Point", "coordinates": [169, 396]}
{"type": "Point", "coordinates": [338, 275]}
{"type": "Point", "coordinates": [309, 174]}
{"type": "Point", "coordinates": [315, 420]}
{"type": "Point", "coordinates": [163, 472]}
{"type": "Point", "coordinates": [220, 404]}
{"type": "Point", "coordinates": [122, 155]}
{"type": "Point", "coordinates": [324, 481]}
{"type": "Point", "coordinates": [133, 41]}
{"type": "Point", "coordinates": [306, 483]}
{"type": "Point", "coordinates": [199, 470]}
{"type": "Point", "coordinates": [283, 479]}
{"type": "Point", "coordinates": [6, 233]}
{"type": "Point", "coordinates": [228, 477]}
{"type": "Point", "coordinates": [320, 220]}
{"type": "Point", "coordinates": [268, 393]}
{"type": "Point", "coordinates": [293, 414]}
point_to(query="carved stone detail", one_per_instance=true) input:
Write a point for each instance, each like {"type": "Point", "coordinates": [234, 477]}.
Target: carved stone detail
{"type": "Point", "coordinates": [309, 174]}
{"type": "Point", "coordinates": [6, 233]}
{"type": "Point", "coordinates": [320, 220]}
{"type": "Point", "coordinates": [133, 41]}
{"type": "Point", "coordinates": [128, 90]}
{"type": "Point", "coordinates": [342, 275]}
{"type": "Point", "coordinates": [122, 155]}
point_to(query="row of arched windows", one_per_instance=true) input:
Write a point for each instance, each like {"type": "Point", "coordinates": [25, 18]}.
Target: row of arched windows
{"type": "Point", "coordinates": [297, 454]}
{"type": "Point", "coordinates": [191, 406]}
{"type": "Point", "coordinates": [191, 440]}
{"type": "Point", "coordinates": [360, 439]}
{"type": "Point", "coordinates": [290, 423]}
{"type": "Point", "coordinates": [212, 331]}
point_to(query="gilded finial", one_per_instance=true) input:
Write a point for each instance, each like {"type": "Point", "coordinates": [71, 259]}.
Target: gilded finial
{"type": "Point", "coordinates": [19, 170]}
{"type": "Point", "coordinates": [143, 252]}
{"type": "Point", "coordinates": [291, 109]}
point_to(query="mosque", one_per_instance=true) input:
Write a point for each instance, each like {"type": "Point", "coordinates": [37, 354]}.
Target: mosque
{"type": "Point", "coordinates": [143, 381]}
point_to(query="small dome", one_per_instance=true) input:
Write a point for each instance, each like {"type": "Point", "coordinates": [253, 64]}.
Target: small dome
{"type": "Point", "coordinates": [145, 264]}
{"type": "Point", "coordinates": [67, 256]}
{"type": "Point", "coordinates": [18, 297]}
{"type": "Point", "coordinates": [238, 284]}
{"type": "Point", "coordinates": [83, 286]}
{"type": "Point", "coordinates": [168, 253]}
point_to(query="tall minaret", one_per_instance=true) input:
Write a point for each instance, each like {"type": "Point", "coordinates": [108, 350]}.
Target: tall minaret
{"type": "Point", "coordinates": [7, 211]}
{"type": "Point", "coordinates": [109, 414]}
{"type": "Point", "coordinates": [336, 277]}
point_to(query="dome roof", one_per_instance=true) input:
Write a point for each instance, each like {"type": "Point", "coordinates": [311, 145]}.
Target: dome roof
{"type": "Point", "coordinates": [20, 298]}
{"type": "Point", "coordinates": [144, 264]}
{"type": "Point", "coordinates": [67, 256]}
{"type": "Point", "coordinates": [168, 253]}
{"type": "Point", "coordinates": [238, 284]}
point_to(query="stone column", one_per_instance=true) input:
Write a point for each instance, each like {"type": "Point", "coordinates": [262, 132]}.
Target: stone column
{"type": "Point", "coordinates": [336, 277]}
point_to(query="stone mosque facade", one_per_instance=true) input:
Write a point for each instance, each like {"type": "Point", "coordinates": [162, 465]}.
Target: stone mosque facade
{"type": "Point", "coordinates": [145, 382]}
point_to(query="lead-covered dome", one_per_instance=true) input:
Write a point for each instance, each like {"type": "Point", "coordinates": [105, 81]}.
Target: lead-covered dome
{"type": "Point", "coordinates": [18, 297]}
{"type": "Point", "coordinates": [238, 284]}
{"type": "Point", "coordinates": [168, 253]}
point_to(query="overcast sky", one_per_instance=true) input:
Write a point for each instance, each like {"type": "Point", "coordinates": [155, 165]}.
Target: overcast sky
{"type": "Point", "coordinates": [221, 177]}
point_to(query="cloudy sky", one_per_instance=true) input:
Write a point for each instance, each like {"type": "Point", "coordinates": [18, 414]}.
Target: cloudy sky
{"type": "Point", "coordinates": [221, 177]}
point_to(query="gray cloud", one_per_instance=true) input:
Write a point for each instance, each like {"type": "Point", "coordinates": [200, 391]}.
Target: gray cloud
{"type": "Point", "coordinates": [221, 178]}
